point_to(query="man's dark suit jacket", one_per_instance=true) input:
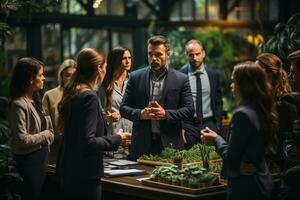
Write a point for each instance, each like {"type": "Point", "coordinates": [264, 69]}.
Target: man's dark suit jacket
{"type": "Point", "coordinates": [215, 94]}
{"type": "Point", "coordinates": [81, 151]}
{"type": "Point", "coordinates": [176, 100]}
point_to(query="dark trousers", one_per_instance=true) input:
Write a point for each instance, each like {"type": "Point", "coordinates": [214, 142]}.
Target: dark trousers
{"type": "Point", "coordinates": [32, 168]}
{"type": "Point", "coordinates": [192, 130]}
{"type": "Point", "coordinates": [248, 188]}
{"type": "Point", "coordinates": [156, 146]}
{"type": "Point", "coordinates": [81, 189]}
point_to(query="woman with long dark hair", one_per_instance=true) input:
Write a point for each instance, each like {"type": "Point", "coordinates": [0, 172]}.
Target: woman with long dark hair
{"type": "Point", "coordinates": [252, 133]}
{"type": "Point", "coordinates": [31, 129]}
{"type": "Point", "coordinates": [287, 112]}
{"type": "Point", "coordinates": [80, 159]}
{"type": "Point", "coordinates": [119, 63]}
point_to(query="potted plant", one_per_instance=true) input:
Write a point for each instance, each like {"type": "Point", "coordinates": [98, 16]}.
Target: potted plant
{"type": "Point", "coordinates": [8, 176]}
{"type": "Point", "coordinates": [285, 40]}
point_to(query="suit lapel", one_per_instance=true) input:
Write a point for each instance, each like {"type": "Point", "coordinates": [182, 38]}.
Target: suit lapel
{"type": "Point", "coordinates": [34, 113]}
{"type": "Point", "coordinates": [185, 69]}
{"type": "Point", "coordinates": [147, 81]}
{"type": "Point", "coordinates": [211, 83]}
{"type": "Point", "coordinates": [101, 115]}
{"type": "Point", "coordinates": [167, 85]}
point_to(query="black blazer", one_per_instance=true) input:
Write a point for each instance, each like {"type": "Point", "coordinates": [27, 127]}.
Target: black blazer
{"type": "Point", "coordinates": [81, 151]}
{"type": "Point", "coordinates": [176, 100]}
{"type": "Point", "coordinates": [245, 142]}
{"type": "Point", "coordinates": [216, 93]}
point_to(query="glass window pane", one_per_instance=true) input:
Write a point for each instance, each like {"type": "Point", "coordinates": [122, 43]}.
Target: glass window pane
{"type": "Point", "coordinates": [102, 9]}
{"type": "Point", "coordinates": [175, 13]}
{"type": "Point", "coordinates": [117, 7]}
{"type": "Point", "coordinates": [144, 11]}
{"type": "Point", "coordinates": [15, 47]}
{"type": "Point", "coordinates": [187, 10]}
{"type": "Point", "coordinates": [274, 10]}
{"type": "Point", "coordinates": [122, 37]}
{"type": "Point", "coordinates": [213, 9]}
{"type": "Point", "coordinates": [66, 38]}
{"type": "Point", "coordinates": [83, 38]}
{"type": "Point", "coordinates": [51, 52]}
{"type": "Point", "coordinates": [232, 14]}
{"type": "Point", "coordinates": [64, 7]}
{"type": "Point", "coordinates": [245, 10]}
{"type": "Point", "coordinates": [200, 12]}
{"type": "Point", "coordinates": [76, 8]}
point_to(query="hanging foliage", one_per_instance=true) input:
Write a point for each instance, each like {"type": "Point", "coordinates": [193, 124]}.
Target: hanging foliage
{"type": "Point", "coordinates": [285, 40]}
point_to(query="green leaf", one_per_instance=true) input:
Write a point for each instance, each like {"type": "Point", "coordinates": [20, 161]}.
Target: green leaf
{"type": "Point", "coordinates": [279, 27]}
{"type": "Point", "coordinates": [297, 41]}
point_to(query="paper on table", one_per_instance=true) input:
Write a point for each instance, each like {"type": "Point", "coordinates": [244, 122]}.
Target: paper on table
{"type": "Point", "coordinates": [123, 163]}
{"type": "Point", "coordinates": [123, 172]}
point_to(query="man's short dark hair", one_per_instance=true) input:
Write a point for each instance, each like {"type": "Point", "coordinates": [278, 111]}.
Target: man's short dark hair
{"type": "Point", "coordinates": [158, 40]}
{"type": "Point", "coordinates": [193, 42]}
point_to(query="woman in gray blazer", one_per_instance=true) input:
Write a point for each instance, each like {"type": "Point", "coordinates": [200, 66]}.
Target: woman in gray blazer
{"type": "Point", "coordinates": [31, 130]}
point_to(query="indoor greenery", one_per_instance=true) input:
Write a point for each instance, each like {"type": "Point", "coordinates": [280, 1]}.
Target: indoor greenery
{"type": "Point", "coordinates": [284, 40]}
{"type": "Point", "coordinates": [8, 176]}
{"type": "Point", "coordinates": [24, 11]}
{"type": "Point", "coordinates": [191, 176]}
{"type": "Point", "coordinates": [197, 153]}
{"type": "Point", "coordinates": [223, 50]}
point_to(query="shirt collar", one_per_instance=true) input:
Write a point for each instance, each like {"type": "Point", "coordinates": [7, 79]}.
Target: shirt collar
{"type": "Point", "coordinates": [161, 76]}
{"type": "Point", "coordinates": [191, 71]}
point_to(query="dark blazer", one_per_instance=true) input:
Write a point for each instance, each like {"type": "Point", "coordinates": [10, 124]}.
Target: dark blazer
{"type": "Point", "coordinates": [216, 94]}
{"type": "Point", "coordinates": [176, 100]}
{"type": "Point", "coordinates": [245, 142]}
{"type": "Point", "coordinates": [81, 151]}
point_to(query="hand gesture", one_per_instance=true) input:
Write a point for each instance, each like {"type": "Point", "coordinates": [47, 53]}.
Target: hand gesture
{"type": "Point", "coordinates": [146, 114]}
{"type": "Point", "coordinates": [208, 136]}
{"type": "Point", "coordinates": [158, 112]}
{"type": "Point", "coordinates": [113, 116]}
{"type": "Point", "coordinates": [125, 137]}
{"type": "Point", "coordinates": [49, 136]}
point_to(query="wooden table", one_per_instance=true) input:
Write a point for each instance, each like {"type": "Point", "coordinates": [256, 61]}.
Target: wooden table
{"type": "Point", "coordinates": [127, 187]}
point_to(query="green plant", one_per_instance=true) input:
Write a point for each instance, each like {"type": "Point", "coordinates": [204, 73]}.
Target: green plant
{"type": "Point", "coordinates": [8, 176]}
{"type": "Point", "coordinates": [285, 39]}
{"type": "Point", "coordinates": [223, 50]}
{"type": "Point", "coordinates": [194, 154]}
{"type": "Point", "coordinates": [191, 176]}
{"type": "Point", "coordinates": [24, 11]}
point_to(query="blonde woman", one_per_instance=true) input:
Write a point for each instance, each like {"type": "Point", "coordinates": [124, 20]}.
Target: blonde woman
{"type": "Point", "coordinates": [52, 98]}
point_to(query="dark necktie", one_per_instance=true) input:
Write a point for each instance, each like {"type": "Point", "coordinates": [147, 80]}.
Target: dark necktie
{"type": "Point", "coordinates": [199, 112]}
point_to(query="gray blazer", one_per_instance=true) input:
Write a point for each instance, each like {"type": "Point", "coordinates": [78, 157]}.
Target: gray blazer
{"type": "Point", "coordinates": [25, 122]}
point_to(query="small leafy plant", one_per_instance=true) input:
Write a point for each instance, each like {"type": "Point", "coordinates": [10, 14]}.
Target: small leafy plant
{"type": "Point", "coordinates": [8, 176]}
{"type": "Point", "coordinates": [191, 176]}
{"type": "Point", "coordinates": [285, 39]}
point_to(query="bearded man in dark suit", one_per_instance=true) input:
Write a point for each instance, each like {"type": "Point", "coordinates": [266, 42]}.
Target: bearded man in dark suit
{"type": "Point", "coordinates": [156, 99]}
